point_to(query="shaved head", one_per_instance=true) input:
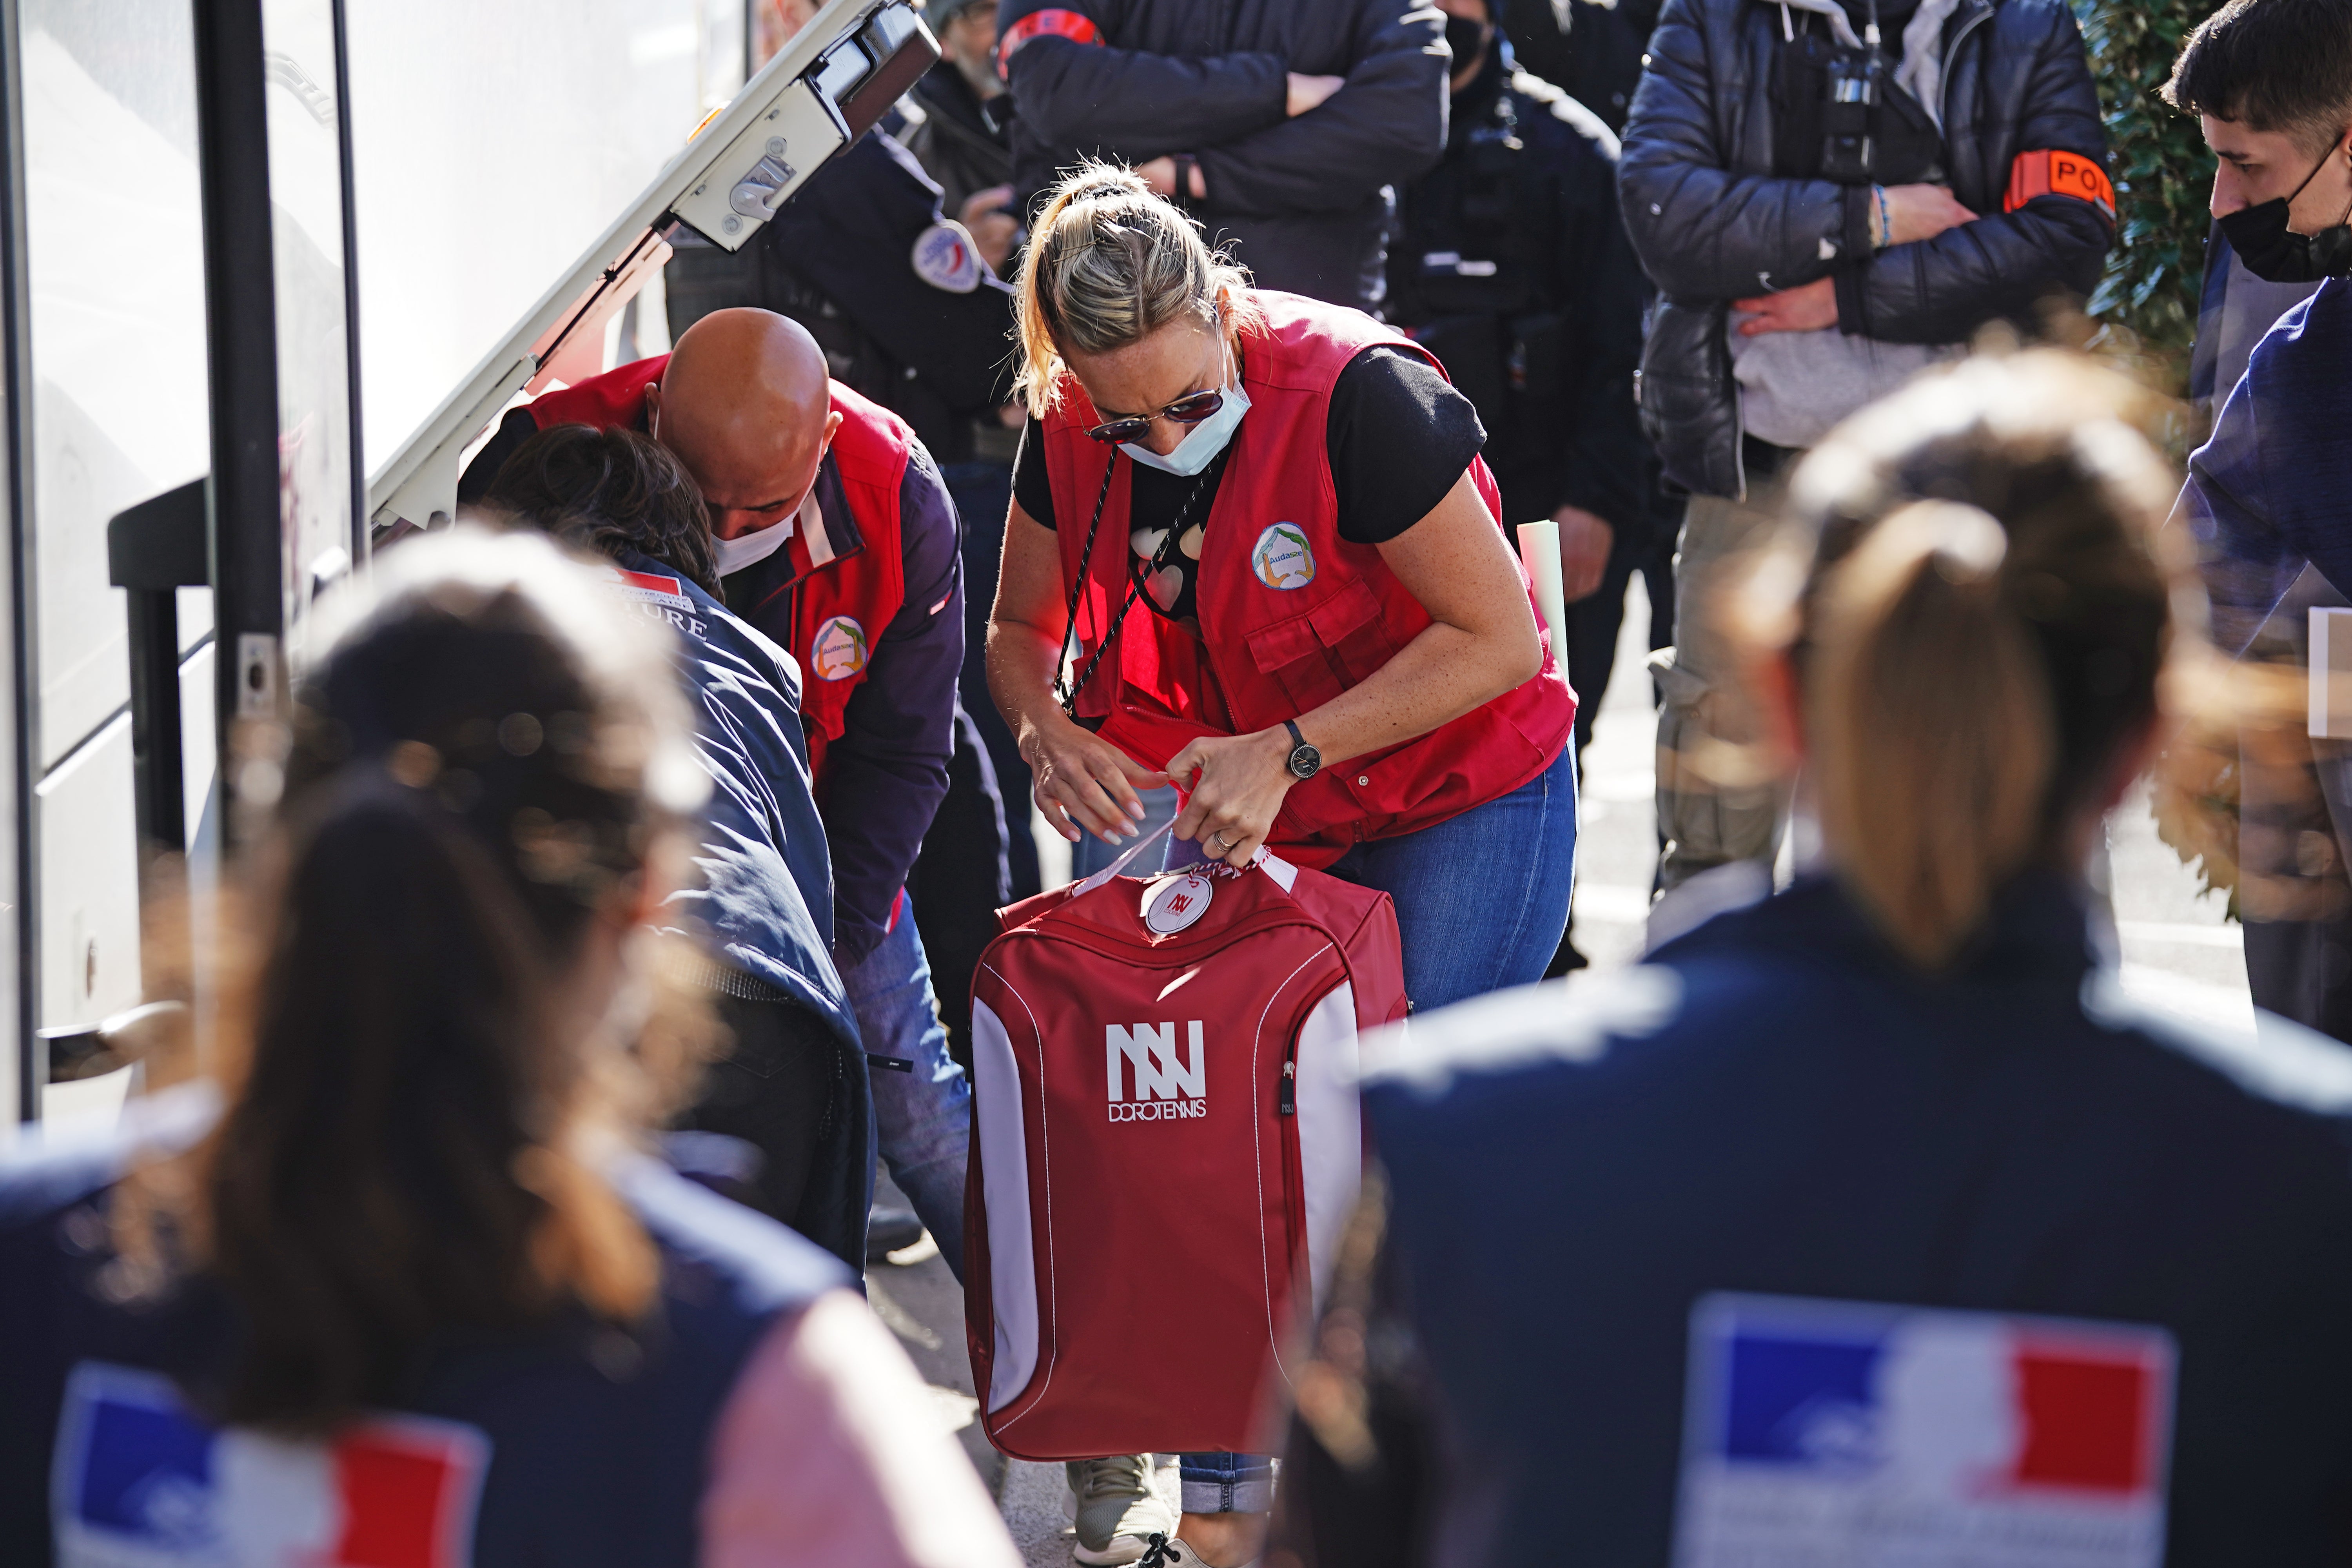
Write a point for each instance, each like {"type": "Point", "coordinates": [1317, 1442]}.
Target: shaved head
{"type": "Point", "coordinates": [746, 405]}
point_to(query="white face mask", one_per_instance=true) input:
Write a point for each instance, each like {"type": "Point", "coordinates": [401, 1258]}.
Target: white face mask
{"type": "Point", "coordinates": [1201, 443]}
{"type": "Point", "coordinates": [732, 555]}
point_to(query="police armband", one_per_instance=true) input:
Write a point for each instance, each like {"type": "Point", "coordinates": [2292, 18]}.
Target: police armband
{"type": "Point", "coordinates": [2051, 174]}
{"type": "Point", "coordinates": [1052, 23]}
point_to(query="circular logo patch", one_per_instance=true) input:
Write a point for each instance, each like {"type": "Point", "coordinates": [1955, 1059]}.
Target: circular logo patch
{"type": "Point", "coordinates": [1283, 558]}
{"type": "Point", "coordinates": [1179, 904]}
{"type": "Point", "coordinates": [838, 650]}
{"type": "Point", "coordinates": [945, 258]}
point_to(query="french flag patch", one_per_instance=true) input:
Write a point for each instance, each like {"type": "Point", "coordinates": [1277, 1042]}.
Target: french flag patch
{"type": "Point", "coordinates": [1820, 1432]}
{"type": "Point", "coordinates": [652, 588]}
{"type": "Point", "coordinates": [139, 1481]}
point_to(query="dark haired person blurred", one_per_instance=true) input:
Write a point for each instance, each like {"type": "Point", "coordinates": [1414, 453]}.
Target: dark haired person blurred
{"type": "Point", "coordinates": [394, 1285]}
{"type": "Point", "coordinates": [1875, 1223]}
{"type": "Point", "coordinates": [792, 1083]}
{"type": "Point", "coordinates": [2271, 83]}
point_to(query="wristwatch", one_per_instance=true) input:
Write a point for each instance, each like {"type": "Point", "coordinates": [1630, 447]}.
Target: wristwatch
{"type": "Point", "coordinates": [1304, 758]}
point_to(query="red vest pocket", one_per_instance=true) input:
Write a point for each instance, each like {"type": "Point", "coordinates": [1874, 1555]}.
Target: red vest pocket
{"type": "Point", "coordinates": [1323, 650]}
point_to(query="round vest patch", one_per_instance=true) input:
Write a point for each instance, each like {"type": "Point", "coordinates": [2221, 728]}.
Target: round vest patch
{"type": "Point", "coordinates": [945, 258]}
{"type": "Point", "coordinates": [1179, 904]}
{"type": "Point", "coordinates": [838, 650]}
{"type": "Point", "coordinates": [1282, 558]}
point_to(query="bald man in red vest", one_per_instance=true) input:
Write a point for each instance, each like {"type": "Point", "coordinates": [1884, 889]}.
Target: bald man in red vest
{"type": "Point", "coordinates": [836, 537]}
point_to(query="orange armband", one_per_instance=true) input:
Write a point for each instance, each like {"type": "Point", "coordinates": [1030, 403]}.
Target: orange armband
{"type": "Point", "coordinates": [1051, 23]}
{"type": "Point", "coordinates": [2059, 175]}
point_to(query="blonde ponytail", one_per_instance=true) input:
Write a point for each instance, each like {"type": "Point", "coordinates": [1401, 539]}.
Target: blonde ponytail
{"type": "Point", "coordinates": [1108, 263]}
{"type": "Point", "coordinates": [1931, 722]}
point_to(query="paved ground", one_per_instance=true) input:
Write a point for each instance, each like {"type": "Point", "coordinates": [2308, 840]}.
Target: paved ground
{"type": "Point", "coordinates": [2177, 952]}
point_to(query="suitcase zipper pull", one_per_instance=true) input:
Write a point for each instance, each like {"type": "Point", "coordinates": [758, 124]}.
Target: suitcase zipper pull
{"type": "Point", "coordinates": [1285, 1101]}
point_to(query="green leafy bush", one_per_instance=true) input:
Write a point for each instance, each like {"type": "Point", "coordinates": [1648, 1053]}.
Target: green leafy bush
{"type": "Point", "coordinates": [2146, 306]}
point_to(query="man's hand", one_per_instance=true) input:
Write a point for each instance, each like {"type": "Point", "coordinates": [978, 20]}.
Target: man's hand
{"type": "Point", "coordinates": [1160, 176]}
{"type": "Point", "coordinates": [1923, 212]}
{"type": "Point", "coordinates": [1237, 784]}
{"type": "Point", "coordinates": [1806, 309]}
{"type": "Point", "coordinates": [1584, 544]}
{"type": "Point", "coordinates": [1310, 91]}
{"type": "Point", "coordinates": [992, 229]}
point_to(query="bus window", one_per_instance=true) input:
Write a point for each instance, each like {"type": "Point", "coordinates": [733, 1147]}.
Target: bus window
{"type": "Point", "coordinates": [117, 331]}
{"type": "Point", "coordinates": [479, 180]}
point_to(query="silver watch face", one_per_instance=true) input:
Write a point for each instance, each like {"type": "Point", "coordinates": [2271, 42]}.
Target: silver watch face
{"type": "Point", "coordinates": [1304, 760]}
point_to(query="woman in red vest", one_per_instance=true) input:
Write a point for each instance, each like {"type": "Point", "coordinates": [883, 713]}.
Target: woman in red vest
{"type": "Point", "coordinates": [1293, 597]}
{"type": "Point", "coordinates": [1253, 551]}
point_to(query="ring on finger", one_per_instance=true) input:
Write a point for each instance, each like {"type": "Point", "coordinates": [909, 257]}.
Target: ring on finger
{"type": "Point", "coordinates": [1219, 839]}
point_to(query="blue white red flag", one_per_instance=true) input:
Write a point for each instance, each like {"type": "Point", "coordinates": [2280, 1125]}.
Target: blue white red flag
{"type": "Point", "coordinates": [139, 1481]}
{"type": "Point", "coordinates": [1831, 1432]}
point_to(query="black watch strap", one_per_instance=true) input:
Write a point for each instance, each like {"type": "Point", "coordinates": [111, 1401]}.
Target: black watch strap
{"type": "Point", "coordinates": [1296, 738]}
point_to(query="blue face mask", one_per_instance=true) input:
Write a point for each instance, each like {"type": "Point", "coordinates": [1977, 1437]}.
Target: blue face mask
{"type": "Point", "coordinates": [1202, 444]}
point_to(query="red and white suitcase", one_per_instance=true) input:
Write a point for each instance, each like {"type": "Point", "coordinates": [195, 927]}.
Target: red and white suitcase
{"type": "Point", "coordinates": [1168, 1146]}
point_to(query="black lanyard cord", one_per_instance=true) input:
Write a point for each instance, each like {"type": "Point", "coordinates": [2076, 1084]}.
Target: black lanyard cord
{"type": "Point", "coordinates": [1068, 694]}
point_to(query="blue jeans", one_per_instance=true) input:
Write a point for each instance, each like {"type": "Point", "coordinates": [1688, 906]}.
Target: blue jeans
{"type": "Point", "coordinates": [922, 1118]}
{"type": "Point", "coordinates": [1482, 898]}
{"type": "Point", "coordinates": [1225, 1483]}
{"type": "Point", "coordinates": [1481, 902]}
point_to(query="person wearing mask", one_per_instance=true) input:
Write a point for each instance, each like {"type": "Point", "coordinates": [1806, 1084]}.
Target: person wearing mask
{"type": "Point", "coordinates": [793, 1082]}
{"type": "Point", "coordinates": [1253, 551]}
{"type": "Point", "coordinates": [1892, 1154]}
{"type": "Point", "coordinates": [1830, 196]}
{"type": "Point", "coordinates": [1510, 265]}
{"type": "Point", "coordinates": [1284, 128]}
{"type": "Point", "coordinates": [833, 537]}
{"type": "Point", "coordinates": [899, 283]}
{"type": "Point", "coordinates": [394, 1282]}
{"type": "Point", "coordinates": [2271, 83]}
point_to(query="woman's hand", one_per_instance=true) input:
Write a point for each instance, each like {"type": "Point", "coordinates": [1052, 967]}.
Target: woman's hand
{"type": "Point", "coordinates": [1084, 781]}
{"type": "Point", "coordinates": [1238, 783]}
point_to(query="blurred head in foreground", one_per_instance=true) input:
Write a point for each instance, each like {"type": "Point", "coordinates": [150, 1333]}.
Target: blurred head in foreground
{"type": "Point", "coordinates": [447, 1020]}
{"type": "Point", "coordinates": [1963, 630]}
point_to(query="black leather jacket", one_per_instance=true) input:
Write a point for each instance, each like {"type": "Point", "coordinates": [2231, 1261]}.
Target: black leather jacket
{"type": "Point", "coordinates": [1713, 224]}
{"type": "Point", "coordinates": [1305, 200]}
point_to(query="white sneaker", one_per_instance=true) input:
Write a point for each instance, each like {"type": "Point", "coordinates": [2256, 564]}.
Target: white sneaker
{"type": "Point", "coordinates": [1115, 1509]}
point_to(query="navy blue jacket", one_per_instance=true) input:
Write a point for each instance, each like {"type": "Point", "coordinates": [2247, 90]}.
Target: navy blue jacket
{"type": "Point", "coordinates": [1305, 199]}
{"type": "Point", "coordinates": [2267, 491]}
{"type": "Point", "coordinates": [1776, 1104]}
{"type": "Point", "coordinates": [599, 1450]}
{"type": "Point", "coordinates": [887, 773]}
{"type": "Point", "coordinates": [761, 898]}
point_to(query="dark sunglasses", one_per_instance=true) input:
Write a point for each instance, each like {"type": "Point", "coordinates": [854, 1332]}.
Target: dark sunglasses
{"type": "Point", "coordinates": [1187, 410]}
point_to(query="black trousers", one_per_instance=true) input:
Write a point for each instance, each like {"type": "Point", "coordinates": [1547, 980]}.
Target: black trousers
{"type": "Point", "coordinates": [796, 1092]}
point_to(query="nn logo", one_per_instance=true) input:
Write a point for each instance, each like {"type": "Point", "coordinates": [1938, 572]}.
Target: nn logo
{"type": "Point", "coordinates": [1166, 1088]}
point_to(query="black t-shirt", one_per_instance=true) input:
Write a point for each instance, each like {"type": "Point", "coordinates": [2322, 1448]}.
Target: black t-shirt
{"type": "Point", "coordinates": [1399, 436]}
